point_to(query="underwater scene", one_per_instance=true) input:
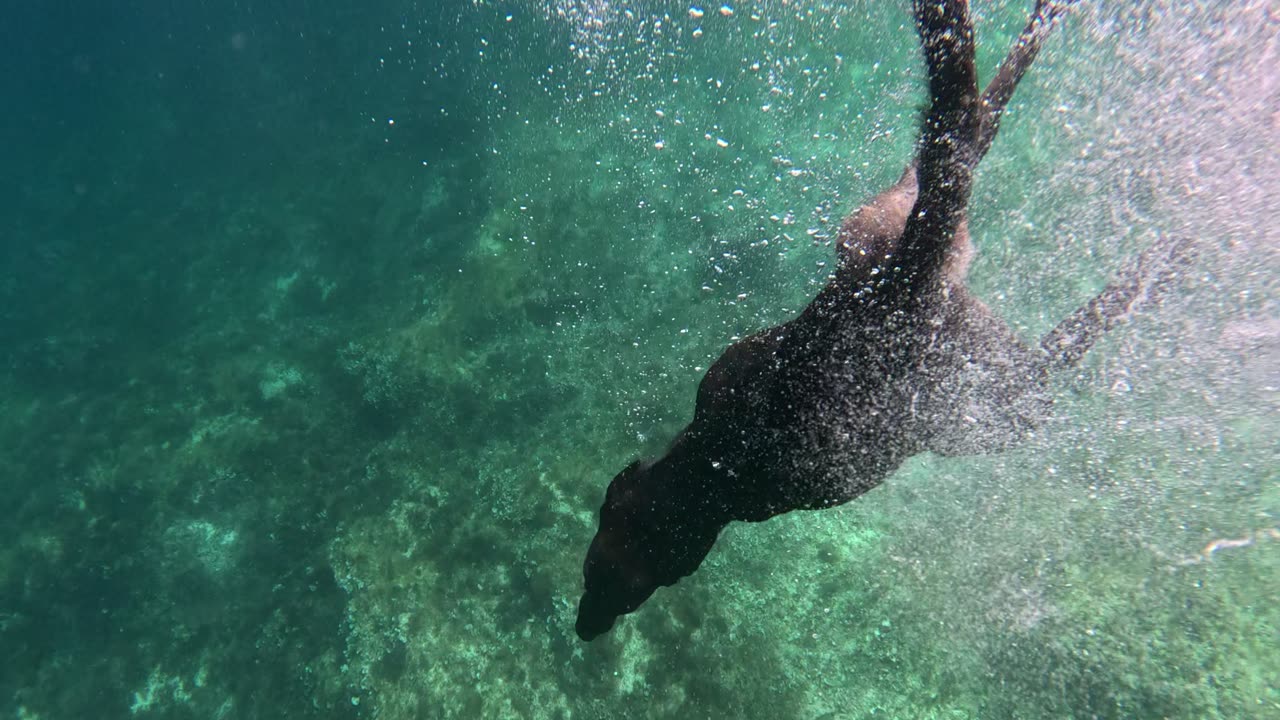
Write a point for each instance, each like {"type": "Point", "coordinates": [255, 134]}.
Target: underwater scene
{"type": "Point", "coordinates": [324, 327]}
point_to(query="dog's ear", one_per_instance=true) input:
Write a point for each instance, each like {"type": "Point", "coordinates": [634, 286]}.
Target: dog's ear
{"type": "Point", "coordinates": [623, 486]}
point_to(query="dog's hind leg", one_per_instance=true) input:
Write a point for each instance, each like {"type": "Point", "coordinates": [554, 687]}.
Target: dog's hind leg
{"type": "Point", "coordinates": [1143, 281]}
{"type": "Point", "coordinates": [875, 229]}
{"type": "Point", "coordinates": [947, 142]}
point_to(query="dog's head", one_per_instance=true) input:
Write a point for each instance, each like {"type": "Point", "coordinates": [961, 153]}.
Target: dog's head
{"type": "Point", "coordinates": [649, 536]}
{"type": "Point", "coordinates": [619, 571]}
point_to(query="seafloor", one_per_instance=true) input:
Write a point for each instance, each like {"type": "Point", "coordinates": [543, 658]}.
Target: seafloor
{"type": "Point", "coordinates": [323, 326]}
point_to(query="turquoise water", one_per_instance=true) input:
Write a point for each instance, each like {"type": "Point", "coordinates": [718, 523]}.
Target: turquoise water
{"type": "Point", "coordinates": [323, 330]}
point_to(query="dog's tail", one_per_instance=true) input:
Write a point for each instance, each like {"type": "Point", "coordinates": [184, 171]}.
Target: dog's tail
{"type": "Point", "coordinates": [1023, 53]}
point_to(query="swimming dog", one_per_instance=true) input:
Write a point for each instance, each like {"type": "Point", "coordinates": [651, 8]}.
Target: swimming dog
{"type": "Point", "coordinates": [894, 356]}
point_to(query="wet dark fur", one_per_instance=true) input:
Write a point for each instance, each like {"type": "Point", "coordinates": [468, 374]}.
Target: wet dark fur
{"type": "Point", "coordinates": [894, 357]}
